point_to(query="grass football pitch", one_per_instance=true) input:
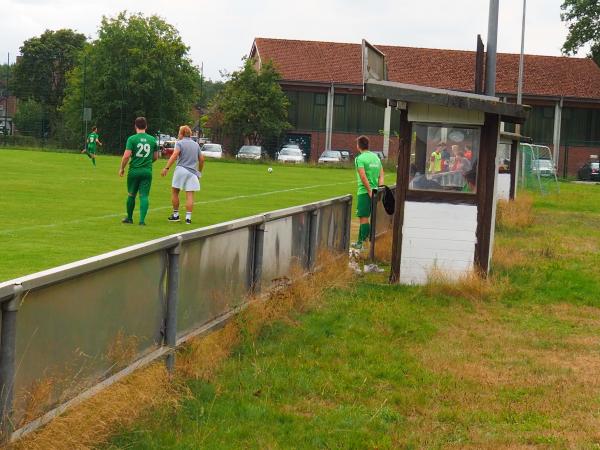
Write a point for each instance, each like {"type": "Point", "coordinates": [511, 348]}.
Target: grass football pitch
{"type": "Point", "coordinates": [57, 208]}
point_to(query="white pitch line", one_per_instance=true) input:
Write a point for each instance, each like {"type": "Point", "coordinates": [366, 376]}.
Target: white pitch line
{"type": "Point", "coordinates": [161, 208]}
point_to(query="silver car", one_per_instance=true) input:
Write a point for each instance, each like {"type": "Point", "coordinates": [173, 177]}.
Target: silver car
{"type": "Point", "coordinates": [250, 152]}
{"type": "Point", "coordinates": [212, 151]}
{"type": "Point", "coordinates": [330, 157]}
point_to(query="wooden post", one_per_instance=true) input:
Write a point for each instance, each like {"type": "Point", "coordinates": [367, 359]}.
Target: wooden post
{"type": "Point", "coordinates": [514, 148]}
{"type": "Point", "coordinates": [485, 190]}
{"type": "Point", "coordinates": [402, 174]}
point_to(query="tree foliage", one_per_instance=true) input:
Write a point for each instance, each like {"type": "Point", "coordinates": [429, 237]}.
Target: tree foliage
{"type": "Point", "coordinates": [40, 73]}
{"type": "Point", "coordinates": [252, 104]}
{"type": "Point", "coordinates": [583, 19]}
{"type": "Point", "coordinates": [29, 119]}
{"type": "Point", "coordinates": [138, 66]}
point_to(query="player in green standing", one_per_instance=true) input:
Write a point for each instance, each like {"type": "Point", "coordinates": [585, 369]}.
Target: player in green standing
{"type": "Point", "coordinates": [369, 175]}
{"type": "Point", "coordinates": [142, 150]}
{"type": "Point", "coordinates": [90, 145]}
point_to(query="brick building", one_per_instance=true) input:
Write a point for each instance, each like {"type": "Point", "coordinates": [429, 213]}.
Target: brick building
{"type": "Point", "coordinates": [8, 108]}
{"type": "Point", "coordinates": [323, 81]}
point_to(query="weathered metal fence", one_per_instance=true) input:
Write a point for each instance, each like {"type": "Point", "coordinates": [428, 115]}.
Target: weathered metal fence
{"type": "Point", "coordinates": [77, 328]}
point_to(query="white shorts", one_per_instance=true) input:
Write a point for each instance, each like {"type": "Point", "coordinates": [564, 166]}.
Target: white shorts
{"type": "Point", "coordinates": [185, 180]}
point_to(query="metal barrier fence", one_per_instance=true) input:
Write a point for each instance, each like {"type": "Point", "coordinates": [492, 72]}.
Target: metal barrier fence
{"type": "Point", "coordinates": [77, 328]}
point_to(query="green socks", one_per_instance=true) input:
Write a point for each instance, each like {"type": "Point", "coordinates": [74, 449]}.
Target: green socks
{"type": "Point", "coordinates": [364, 232]}
{"type": "Point", "coordinates": [130, 206]}
{"type": "Point", "coordinates": [94, 161]}
{"type": "Point", "coordinates": [144, 203]}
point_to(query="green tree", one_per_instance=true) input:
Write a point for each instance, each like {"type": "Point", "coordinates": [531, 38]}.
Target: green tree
{"type": "Point", "coordinates": [30, 119]}
{"type": "Point", "coordinates": [583, 20]}
{"type": "Point", "coordinates": [40, 73]}
{"type": "Point", "coordinates": [208, 91]}
{"type": "Point", "coordinates": [138, 66]}
{"type": "Point", "coordinates": [252, 104]}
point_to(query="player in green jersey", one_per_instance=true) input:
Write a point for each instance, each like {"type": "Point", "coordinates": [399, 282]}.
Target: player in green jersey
{"type": "Point", "coordinates": [369, 175]}
{"type": "Point", "coordinates": [142, 150]}
{"type": "Point", "coordinates": [90, 145]}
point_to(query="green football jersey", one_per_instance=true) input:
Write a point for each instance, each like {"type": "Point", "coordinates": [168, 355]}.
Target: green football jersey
{"type": "Point", "coordinates": [142, 148]}
{"type": "Point", "coordinates": [91, 141]}
{"type": "Point", "coordinates": [372, 164]}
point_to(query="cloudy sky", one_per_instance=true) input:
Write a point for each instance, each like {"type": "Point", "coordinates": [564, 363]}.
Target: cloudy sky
{"type": "Point", "coordinates": [220, 32]}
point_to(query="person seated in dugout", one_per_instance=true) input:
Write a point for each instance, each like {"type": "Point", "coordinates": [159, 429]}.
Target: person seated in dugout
{"type": "Point", "coordinates": [471, 180]}
{"type": "Point", "coordinates": [445, 157]}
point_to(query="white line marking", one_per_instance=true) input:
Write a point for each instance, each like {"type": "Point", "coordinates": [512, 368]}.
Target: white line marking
{"type": "Point", "coordinates": [161, 208]}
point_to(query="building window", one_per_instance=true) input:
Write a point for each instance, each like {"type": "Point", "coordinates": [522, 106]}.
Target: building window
{"type": "Point", "coordinates": [321, 99]}
{"type": "Point", "coordinates": [444, 158]}
{"type": "Point", "coordinates": [339, 100]}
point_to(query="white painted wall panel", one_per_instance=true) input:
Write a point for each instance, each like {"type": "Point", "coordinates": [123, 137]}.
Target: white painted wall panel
{"type": "Point", "coordinates": [503, 190]}
{"type": "Point", "coordinates": [437, 235]}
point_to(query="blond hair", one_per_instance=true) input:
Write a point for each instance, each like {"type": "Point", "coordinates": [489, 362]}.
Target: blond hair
{"type": "Point", "coordinates": [185, 131]}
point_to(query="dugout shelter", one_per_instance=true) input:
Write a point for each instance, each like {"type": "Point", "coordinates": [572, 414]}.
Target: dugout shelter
{"type": "Point", "coordinates": [447, 172]}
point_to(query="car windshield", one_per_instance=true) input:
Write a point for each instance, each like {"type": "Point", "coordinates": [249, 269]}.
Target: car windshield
{"type": "Point", "coordinates": [331, 154]}
{"type": "Point", "coordinates": [291, 146]}
{"type": "Point", "coordinates": [170, 144]}
{"type": "Point", "coordinates": [211, 148]}
{"type": "Point", "coordinates": [250, 149]}
{"type": "Point", "coordinates": [290, 152]}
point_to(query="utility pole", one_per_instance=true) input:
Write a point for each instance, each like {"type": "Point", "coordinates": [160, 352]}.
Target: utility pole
{"type": "Point", "coordinates": [522, 57]}
{"type": "Point", "coordinates": [492, 41]}
{"type": "Point", "coordinates": [6, 93]}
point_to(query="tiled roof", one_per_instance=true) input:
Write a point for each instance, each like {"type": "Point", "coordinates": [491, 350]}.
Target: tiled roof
{"type": "Point", "coordinates": [447, 69]}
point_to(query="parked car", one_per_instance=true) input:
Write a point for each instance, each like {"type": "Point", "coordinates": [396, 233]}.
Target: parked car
{"type": "Point", "coordinates": [167, 148]}
{"type": "Point", "coordinates": [543, 167]}
{"type": "Point", "coordinates": [290, 155]}
{"type": "Point", "coordinates": [590, 171]}
{"type": "Point", "coordinates": [330, 157]}
{"type": "Point", "coordinates": [212, 150]}
{"type": "Point", "coordinates": [251, 152]}
{"type": "Point", "coordinates": [345, 155]}
{"type": "Point", "coordinates": [380, 154]}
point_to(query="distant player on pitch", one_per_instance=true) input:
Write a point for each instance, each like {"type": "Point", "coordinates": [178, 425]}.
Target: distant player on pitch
{"type": "Point", "coordinates": [142, 150]}
{"type": "Point", "coordinates": [369, 175]}
{"type": "Point", "coordinates": [90, 145]}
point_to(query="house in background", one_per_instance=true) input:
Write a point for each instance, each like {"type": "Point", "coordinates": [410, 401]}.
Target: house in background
{"type": "Point", "coordinates": [8, 108]}
{"type": "Point", "coordinates": [323, 81]}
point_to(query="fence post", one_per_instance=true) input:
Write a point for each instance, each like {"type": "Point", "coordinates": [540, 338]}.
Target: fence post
{"type": "Point", "coordinates": [347, 225]}
{"type": "Point", "coordinates": [373, 233]}
{"type": "Point", "coordinates": [257, 260]}
{"type": "Point", "coordinates": [8, 336]}
{"type": "Point", "coordinates": [172, 297]}
{"type": "Point", "coordinates": [313, 217]}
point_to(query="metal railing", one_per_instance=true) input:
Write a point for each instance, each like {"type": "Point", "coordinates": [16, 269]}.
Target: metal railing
{"type": "Point", "coordinates": [77, 328]}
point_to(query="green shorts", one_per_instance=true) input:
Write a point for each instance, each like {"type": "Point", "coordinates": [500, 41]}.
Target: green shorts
{"type": "Point", "coordinates": [139, 180]}
{"type": "Point", "coordinates": [363, 207]}
{"type": "Point", "coordinates": [91, 151]}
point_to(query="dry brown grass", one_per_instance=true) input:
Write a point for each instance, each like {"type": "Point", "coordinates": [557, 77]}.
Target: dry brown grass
{"type": "Point", "coordinates": [515, 214]}
{"type": "Point", "coordinates": [507, 257]}
{"type": "Point", "coordinates": [508, 368]}
{"type": "Point", "coordinates": [120, 405]}
{"type": "Point", "coordinates": [383, 248]}
{"type": "Point", "coordinates": [92, 422]}
{"type": "Point", "coordinates": [122, 349]}
{"type": "Point", "coordinates": [470, 286]}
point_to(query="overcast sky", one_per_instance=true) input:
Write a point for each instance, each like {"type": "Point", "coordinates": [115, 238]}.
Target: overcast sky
{"type": "Point", "coordinates": [220, 32]}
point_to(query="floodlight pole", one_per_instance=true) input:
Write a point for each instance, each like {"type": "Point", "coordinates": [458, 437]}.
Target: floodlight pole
{"type": "Point", "coordinates": [522, 57]}
{"type": "Point", "coordinates": [492, 41]}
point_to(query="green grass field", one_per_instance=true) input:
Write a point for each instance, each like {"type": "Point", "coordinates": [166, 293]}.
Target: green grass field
{"type": "Point", "coordinates": [57, 208]}
{"type": "Point", "coordinates": [512, 365]}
